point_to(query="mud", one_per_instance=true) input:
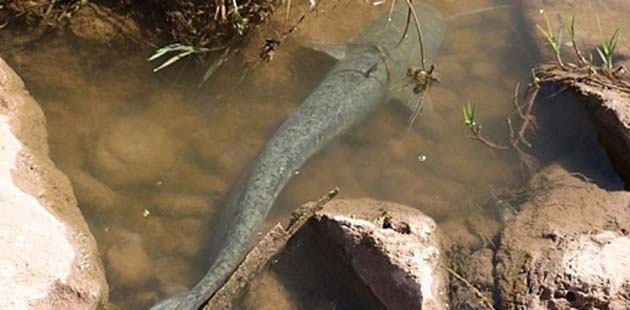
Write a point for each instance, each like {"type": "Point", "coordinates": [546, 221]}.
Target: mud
{"type": "Point", "coordinates": [557, 252]}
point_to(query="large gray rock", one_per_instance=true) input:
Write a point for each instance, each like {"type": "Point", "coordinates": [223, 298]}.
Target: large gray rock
{"type": "Point", "coordinates": [394, 249]}
{"type": "Point", "coordinates": [48, 257]}
{"type": "Point", "coordinates": [568, 248]}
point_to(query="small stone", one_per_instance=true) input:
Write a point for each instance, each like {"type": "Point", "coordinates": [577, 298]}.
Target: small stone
{"type": "Point", "coordinates": [92, 193]}
{"type": "Point", "coordinates": [132, 151]}
{"type": "Point", "coordinates": [127, 261]}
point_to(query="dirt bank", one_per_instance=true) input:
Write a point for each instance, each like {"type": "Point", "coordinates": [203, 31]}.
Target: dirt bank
{"type": "Point", "coordinates": [567, 248]}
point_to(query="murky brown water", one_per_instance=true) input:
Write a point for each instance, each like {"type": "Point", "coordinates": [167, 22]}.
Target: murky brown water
{"type": "Point", "coordinates": [151, 157]}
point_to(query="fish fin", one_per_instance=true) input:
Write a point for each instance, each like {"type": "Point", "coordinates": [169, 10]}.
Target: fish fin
{"type": "Point", "coordinates": [337, 51]}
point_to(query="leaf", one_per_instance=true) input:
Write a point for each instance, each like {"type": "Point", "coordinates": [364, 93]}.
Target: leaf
{"type": "Point", "coordinates": [172, 60]}
{"type": "Point", "coordinates": [601, 55]}
{"type": "Point", "coordinates": [166, 49]}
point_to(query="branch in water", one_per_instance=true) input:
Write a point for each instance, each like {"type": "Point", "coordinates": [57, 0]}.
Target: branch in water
{"type": "Point", "coordinates": [263, 252]}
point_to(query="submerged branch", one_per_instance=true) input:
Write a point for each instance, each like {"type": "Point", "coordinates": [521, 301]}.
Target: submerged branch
{"type": "Point", "coordinates": [260, 255]}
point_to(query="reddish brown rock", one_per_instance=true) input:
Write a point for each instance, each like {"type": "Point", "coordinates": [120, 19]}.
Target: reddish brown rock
{"type": "Point", "coordinates": [568, 248]}
{"type": "Point", "coordinates": [49, 258]}
{"type": "Point", "coordinates": [392, 248]}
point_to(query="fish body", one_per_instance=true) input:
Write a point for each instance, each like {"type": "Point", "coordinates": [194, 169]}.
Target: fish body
{"type": "Point", "coordinates": [356, 86]}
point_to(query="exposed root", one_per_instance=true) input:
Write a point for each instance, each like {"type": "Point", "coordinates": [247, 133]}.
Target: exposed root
{"type": "Point", "coordinates": [518, 138]}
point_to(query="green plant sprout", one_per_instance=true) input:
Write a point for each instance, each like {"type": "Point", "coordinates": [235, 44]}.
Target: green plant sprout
{"type": "Point", "coordinates": [607, 48]}
{"type": "Point", "coordinates": [182, 51]}
{"type": "Point", "coordinates": [573, 36]}
{"type": "Point", "coordinates": [470, 114]}
{"type": "Point", "coordinates": [535, 79]}
{"type": "Point", "coordinates": [553, 41]}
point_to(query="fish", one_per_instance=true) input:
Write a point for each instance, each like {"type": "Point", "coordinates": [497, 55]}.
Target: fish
{"type": "Point", "coordinates": [358, 84]}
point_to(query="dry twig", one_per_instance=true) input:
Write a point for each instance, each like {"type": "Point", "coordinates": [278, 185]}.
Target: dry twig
{"type": "Point", "coordinates": [484, 301]}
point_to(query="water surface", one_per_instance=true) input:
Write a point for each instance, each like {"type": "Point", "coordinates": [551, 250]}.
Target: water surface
{"type": "Point", "coordinates": [152, 157]}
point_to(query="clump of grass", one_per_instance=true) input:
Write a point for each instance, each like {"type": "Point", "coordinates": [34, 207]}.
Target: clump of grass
{"type": "Point", "coordinates": [553, 40]}
{"type": "Point", "coordinates": [607, 48]}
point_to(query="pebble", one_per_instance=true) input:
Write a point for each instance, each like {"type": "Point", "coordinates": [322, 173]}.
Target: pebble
{"type": "Point", "coordinates": [127, 261]}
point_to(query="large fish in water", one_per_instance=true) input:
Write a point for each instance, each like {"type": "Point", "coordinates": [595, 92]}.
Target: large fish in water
{"type": "Point", "coordinates": [359, 83]}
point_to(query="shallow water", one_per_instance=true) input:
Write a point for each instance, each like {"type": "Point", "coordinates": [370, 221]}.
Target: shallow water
{"type": "Point", "coordinates": [152, 157]}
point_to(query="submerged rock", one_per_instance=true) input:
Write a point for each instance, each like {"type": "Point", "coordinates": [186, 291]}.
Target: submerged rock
{"type": "Point", "coordinates": [127, 260]}
{"type": "Point", "coordinates": [568, 248]}
{"type": "Point", "coordinates": [392, 248]}
{"type": "Point", "coordinates": [92, 193]}
{"type": "Point", "coordinates": [48, 257]}
{"type": "Point", "coordinates": [132, 151]}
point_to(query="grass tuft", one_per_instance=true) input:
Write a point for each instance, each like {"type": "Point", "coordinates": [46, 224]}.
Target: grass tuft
{"type": "Point", "coordinates": [607, 48]}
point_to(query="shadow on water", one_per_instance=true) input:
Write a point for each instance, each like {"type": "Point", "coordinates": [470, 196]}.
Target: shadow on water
{"type": "Point", "coordinates": [152, 158]}
{"type": "Point", "coordinates": [570, 139]}
{"type": "Point", "coordinates": [316, 276]}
